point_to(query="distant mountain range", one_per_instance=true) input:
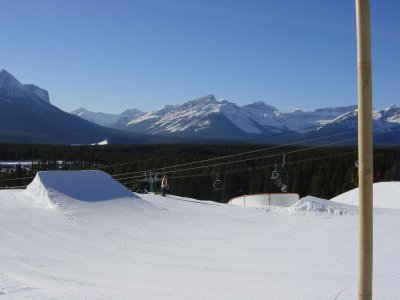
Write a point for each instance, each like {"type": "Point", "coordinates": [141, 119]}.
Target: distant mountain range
{"type": "Point", "coordinates": [27, 116]}
{"type": "Point", "coordinates": [105, 119]}
{"type": "Point", "coordinates": [207, 117]}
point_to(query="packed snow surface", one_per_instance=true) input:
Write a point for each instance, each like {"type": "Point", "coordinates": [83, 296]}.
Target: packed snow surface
{"type": "Point", "coordinates": [81, 235]}
{"type": "Point", "coordinates": [386, 195]}
{"type": "Point", "coordinates": [317, 205]}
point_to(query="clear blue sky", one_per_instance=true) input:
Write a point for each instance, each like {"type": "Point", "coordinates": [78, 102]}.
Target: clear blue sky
{"type": "Point", "coordinates": [117, 54]}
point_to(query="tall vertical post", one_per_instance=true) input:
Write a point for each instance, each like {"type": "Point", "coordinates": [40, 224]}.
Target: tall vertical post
{"type": "Point", "coordinates": [365, 151]}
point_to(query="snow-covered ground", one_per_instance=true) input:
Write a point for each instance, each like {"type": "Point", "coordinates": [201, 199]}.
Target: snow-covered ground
{"type": "Point", "coordinates": [386, 195]}
{"type": "Point", "coordinates": [81, 235]}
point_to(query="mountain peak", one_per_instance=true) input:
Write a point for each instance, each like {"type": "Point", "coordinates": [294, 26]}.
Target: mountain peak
{"type": "Point", "coordinates": [4, 72]}
{"type": "Point", "coordinates": [261, 105]}
{"type": "Point", "coordinates": [11, 88]}
{"type": "Point", "coordinates": [130, 111]}
{"type": "Point", "coordinates": [7, 79]}
{"type": "Point", "coordinates": [207, 98]}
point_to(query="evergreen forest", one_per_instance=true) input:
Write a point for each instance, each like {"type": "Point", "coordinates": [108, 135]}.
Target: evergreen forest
{"type": "Point", "coordinates": [194, 170]}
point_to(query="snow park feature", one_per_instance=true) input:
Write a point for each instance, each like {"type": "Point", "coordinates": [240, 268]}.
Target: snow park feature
{"type": "Point", "coordinates": [317, 205]}
{"type": "Point", "coordinates": [86, 191]}
{"type": "Point", "coordinates": [386, 195]}
{"type": "Point", "coordinates": [266, 199]}
{"type": "Point", "coordinates": [81, 235]}
{"type": "Point", "coordinates": [49, 186]}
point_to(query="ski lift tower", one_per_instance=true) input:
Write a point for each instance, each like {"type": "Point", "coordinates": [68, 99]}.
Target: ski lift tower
{"type": "Point", "coordinates": [151, 178]}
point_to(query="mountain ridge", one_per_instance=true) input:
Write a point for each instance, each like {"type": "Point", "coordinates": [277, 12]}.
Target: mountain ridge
{"type": "Point", "coordinates": [29, 116]}
{"type": "Point", "coordinates": [206, 116]}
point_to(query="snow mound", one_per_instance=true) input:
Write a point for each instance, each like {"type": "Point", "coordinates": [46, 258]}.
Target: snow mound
{"type": "Point", "coordinates": [314, 204]}
{"type": "Point", "coordinates": [386, 195]}
{"type": "Point", "coordinates": [51, 187]}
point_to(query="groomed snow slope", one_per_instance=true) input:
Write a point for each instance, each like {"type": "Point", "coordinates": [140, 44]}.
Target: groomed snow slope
{"type": "Point", "coordinates": [180, 248]}
{"type": "Point", "coordinates": [386, 195]}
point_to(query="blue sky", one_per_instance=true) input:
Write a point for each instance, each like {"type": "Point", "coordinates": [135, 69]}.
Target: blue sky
{"type": "Point", "coordinates": [111, 55]}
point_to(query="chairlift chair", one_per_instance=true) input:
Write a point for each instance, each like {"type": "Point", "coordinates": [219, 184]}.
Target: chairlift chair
{"type": "Point", "coordinates": [217, 185]}
{"type": "Point", "coordinates": [275, 174]}
{"type": "Point", "coordinates": [278, 181]}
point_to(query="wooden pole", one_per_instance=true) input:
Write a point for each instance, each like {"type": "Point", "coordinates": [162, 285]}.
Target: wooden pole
{"type": "Point", "coordinates": [365, 150]}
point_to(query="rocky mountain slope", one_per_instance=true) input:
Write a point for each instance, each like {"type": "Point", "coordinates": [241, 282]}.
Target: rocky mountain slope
{"type": "Point", "coordinates": [29, 117]}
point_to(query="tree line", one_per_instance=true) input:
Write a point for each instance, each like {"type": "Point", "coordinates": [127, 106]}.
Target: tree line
{"type": "Point", "coordinates": [192, 169]}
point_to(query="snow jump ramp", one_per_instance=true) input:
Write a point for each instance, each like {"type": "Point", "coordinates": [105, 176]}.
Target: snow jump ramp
{"type": "Point", "coordinates": [52, 187]}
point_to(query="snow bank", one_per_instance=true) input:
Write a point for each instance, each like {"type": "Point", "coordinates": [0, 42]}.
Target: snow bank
{"type": "Point", "coordinates": [50, 187]}
{"type": "Point", "coordinates": [314, 204]}
{"type": "Point", "coordinates": [386, 195]}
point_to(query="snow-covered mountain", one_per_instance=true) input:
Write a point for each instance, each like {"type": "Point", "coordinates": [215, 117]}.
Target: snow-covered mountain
{"type": "Point", "coordinates": [384, 120]}
{"type": "Point", "coordinates": [385, 125]}
{"type": "Point", "coordinates": [11, 88]}
{"type": "Point", "coordinates": [106, 119]}
{"type": "Point", "coordinates": [193, 117]}
{"type": "Point", "coordinates": [208, 117]}
{"type": "Point", "coordinates": [27, 116]}
{"type": "Point", "coordinates": [202, 120]}
{"type": "Point", "coordinates": [204, 117]}
{"type": "Point", "coordinates": [310, 120]}
{"type": "Point", "coordinates": [265, 115]}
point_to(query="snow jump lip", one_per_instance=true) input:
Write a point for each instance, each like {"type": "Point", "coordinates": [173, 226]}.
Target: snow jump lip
{"type": "Point", "coordinates": [85, 185]}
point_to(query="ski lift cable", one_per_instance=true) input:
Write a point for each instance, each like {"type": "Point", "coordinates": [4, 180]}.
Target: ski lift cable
{"type": "Point", "coordinates": [255, 168]}
{"type": "Point", "coordinates": [247, 159]}
{"type": "Point", "coordinates": [220, 164]}
{"type": "Point", "coordinates": [242, 153]}
{"type": "Point", "coordinates": [209, 166]}
{"type": "Point", "coordinates": [254, 151]}
{"type": "Point", "coordinates": [260, 167]}
{"type": "Point", "coordinates": [238, 154]}
{"type": "Point", "coordinates": [235, 171]}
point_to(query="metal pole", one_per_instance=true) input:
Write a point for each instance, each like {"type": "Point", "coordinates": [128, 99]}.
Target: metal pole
{"type": "Point", "coordinates": [151, 186]}
{"type": "Point", "coordinates": [365, 150]}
